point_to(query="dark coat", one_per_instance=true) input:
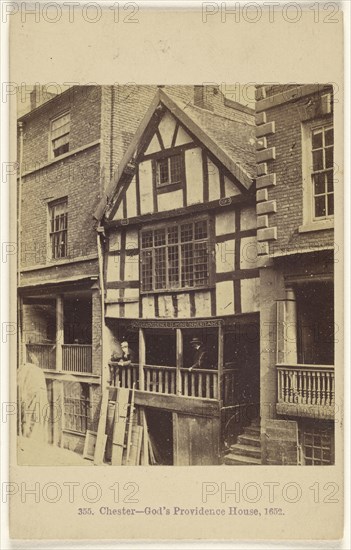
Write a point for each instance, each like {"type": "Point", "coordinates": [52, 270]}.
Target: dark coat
{"type": "Point", "coordinates": [201, 359]}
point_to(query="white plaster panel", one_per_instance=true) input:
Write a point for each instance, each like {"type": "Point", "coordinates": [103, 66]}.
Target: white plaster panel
{"type": "Point", "coordinates": [183, 305]}
{"type": "Point", "coordinates": [230, 188]}
{"type": "Point", "coordinates": [202, 304]}
{"type": "Point", "coordinates": [115, 241]}
{"type": "Point", "coordinates": [165, 306]}
{"type": "Point", "coordinates": [225, 256]}
{"type": "Point", "coordinates": [112, 294]}
{"type": "Point", "coordinates": [194, 175]}
{"type": "Point", "coordinates": [225, 222]}
{"type": "Point", "coordinates": [112, 311]}
{"type": "Point", "coordinates": [214, 190]}
{"type": "Point", "coordinates": [248, 252]}
{"type": "Point", "coordinates": [182, 137]}
{"type": "Point", "coordinates": [146, 189]}
{"type": "Point", "coordinates": [131, 310]}
{"type": "Point", "coordinates": [112, 271]}
{"type": "Point", "coordinates": [119, 213]}
{"type": "Point", "coordinates": [166, 128]}
{"type": "Point", "coordinates": [131, 199]}
{"type": "Point", "coordinates": [132, 239]}
{"type": "Point", "coordinates": [225, 298]}
{"type": "Point", "coordinates": [131, 268]}
{"type": "Point", "coordinates": [170, 200]}
{"type": "Point", "coordinates": [148, 304]}
{"type": "Point", "coordinates": [154, 146]}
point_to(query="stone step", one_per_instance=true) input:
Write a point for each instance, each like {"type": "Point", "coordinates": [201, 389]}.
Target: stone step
{"type": "Point", "coordinates": [245, 450]}
{"type": "Point", "coordinates": [253, 430]}
{"type": "Point", "coordinates": [238, 460]}
{"type": "Point", "coordinates": [247, 439]}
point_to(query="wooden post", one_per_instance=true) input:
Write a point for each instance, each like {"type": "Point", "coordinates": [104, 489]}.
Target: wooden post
{"type": "Point", "coordinates": [220, 361]}
{"type": "Point", "coordinates": [145, 454]}
{"type": "Point", "coordinates": [142, 358]}
{"type": "Point", "coordinates": [59, 332]}
{"type": "Point", "coordinates": [291, 327]}
{"type": "Point", "coordinates": [179, 345]}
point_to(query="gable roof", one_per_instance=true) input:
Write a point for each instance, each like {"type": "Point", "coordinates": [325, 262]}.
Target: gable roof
{"type": "Point", "coordinates": [231, 142]}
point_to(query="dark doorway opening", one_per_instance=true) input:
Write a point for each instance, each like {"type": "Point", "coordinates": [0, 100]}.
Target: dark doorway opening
{"type": "Point", "coordinates": [160, 427]}
{"type": "Point", "coordinates": [160, 348]}
{"type": "Point", "coordinates": [77, 321]}
{"type": "Point", "coordinates": [315, 311]}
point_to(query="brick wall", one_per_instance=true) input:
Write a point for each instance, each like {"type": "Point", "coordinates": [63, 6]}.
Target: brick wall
{"type": "Point", "coordinates": [77, 178]}
{"type": "Point", "coordinates": [288, 169]}
{"type": "Point", "coordinates": [83, 103]}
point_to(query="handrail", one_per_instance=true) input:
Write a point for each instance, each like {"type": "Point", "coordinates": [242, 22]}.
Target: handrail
{"type": "Point", "coordinates": [76, 345]}
{"type": "Point", "coordinates": [303, 366]}
{"type": "Point", "coordinates": [311, 385]}
{"type": "Point", "coordinates": [200, 383]}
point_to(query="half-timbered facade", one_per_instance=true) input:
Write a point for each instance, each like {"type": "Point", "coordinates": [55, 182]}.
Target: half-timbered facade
{"type": "Point", "coordinates": [178, 232]}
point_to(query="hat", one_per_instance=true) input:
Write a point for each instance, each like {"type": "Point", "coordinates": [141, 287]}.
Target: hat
{"type": "Point", "coordinates": [196, 341]}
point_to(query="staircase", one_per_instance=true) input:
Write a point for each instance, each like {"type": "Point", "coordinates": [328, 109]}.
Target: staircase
{"type": "Point", "coordinates": [247, 450]}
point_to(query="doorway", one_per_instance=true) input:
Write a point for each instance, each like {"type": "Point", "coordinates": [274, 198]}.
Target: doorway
{"type": "Point", "coordinates": [160, 428]}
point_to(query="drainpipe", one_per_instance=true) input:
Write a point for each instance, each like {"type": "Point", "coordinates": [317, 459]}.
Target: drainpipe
{"type": "Point", "coordinates": [104, 366]}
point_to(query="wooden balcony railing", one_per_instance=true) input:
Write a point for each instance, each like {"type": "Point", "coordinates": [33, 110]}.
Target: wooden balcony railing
{"type": "Point", "coordinates": [43, 354]}
{"type": "Point", "coordinates": [126, 376]}
{"type": "Point", "coordinates": [306, 385]}
{"type": "Point", "coordinates": [199, 383]}
{"type": "Point", "coordinates": [159, 379]}
{"type": "Point", "coordinates": [202, 383]}
{"type": "Point", "coordinates": [77, 358]}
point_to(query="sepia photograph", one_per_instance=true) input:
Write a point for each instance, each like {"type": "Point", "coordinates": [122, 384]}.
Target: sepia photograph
{"type": "Point", "coordinates": [176, 276]}
{"type": "Point", "coordinates": [175, 303]}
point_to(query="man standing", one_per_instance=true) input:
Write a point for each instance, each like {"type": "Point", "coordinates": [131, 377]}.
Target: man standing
{"type": "Point", "coordinates": [123, 359]}
{"type": "Point", "coordinates": [200, 360]}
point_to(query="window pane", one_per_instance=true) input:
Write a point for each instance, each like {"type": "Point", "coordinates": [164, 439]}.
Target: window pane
{"type": "Point", "coordinates": [173, 266]}
{"type": "Point", "coordinates": [319, 206]}
{"type": "Point", "coordinates": [329, 137]}
{"type": "Point", "coordinates": [200, 264]}
{"type": "Point", "coordinates": [168, 264]}
{"type": "Point", "coordinates": [163, 176]}
{"type": "Point", "coordinates": [173, 234]}
{"type": "Point", "coordinates": [146, 239]}
{"type": "Point", "coordinates": [187, 265]}
{"type": "Point", "coordinates": [330, 181]}
{"type": "Point", "coordinates": [186, 232]}
{"type": "Point", "coordinates": [330, 199]}
{"type": "Point", "coordinates": [146, 270]}
{"type": "Point", "coordinates": [60, 129]}
{"type": "Point", "coordinates": [319, 184]}
{"type": "Point", "coordinates": [201, 229]}
{"type": "Point", "coordinates": [160, 237]}
{"type": "Point", "coordinates": [317, 160]}
{"type": "Point", "coordinates": [317, 139]}
{"type": "Point", "coordinates": [160, 268]}
{"type": "Point", "coordinates": [329, 157]}
{"type": "Point", "coordinates": [175, 168]}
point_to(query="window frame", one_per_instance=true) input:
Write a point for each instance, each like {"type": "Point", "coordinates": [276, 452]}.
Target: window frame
{"type": "Point", "coordinates": [210, 254]}
{"type": "Point", "coordinates": [85, 402]}
{"type": "Point", "coordinates": [310, 221]}
{"type": "Point", "coordinates": [51, 206]}
{"type": "Point", "coordinates": [52, 155]}
{"type": "Point", "coordinates": [169, 185]}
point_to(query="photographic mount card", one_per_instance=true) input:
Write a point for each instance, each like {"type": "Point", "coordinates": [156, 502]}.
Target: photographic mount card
{"type": "Point", "coordinates": [179, 273]}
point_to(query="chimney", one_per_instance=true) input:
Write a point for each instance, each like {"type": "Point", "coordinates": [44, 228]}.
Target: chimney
{"type": "Point", "coordinates": [204, 96]}
{"type": "Point", "coordinates": [35, 97]}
